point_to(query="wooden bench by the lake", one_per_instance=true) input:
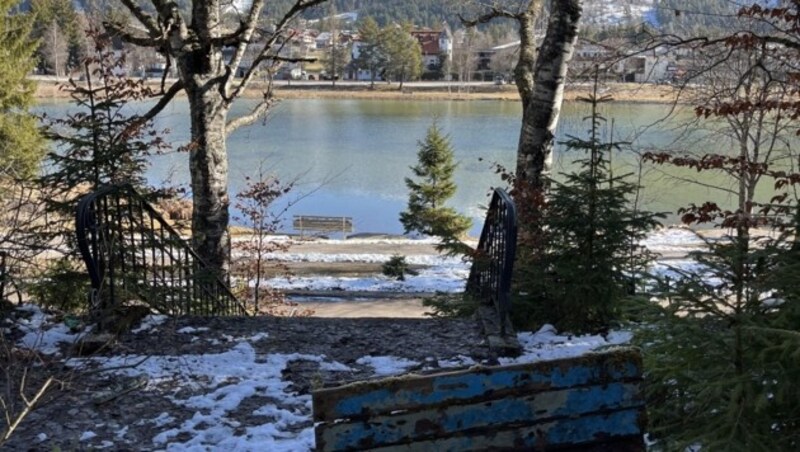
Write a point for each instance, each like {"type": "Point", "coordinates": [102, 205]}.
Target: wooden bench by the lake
{"type": "Point", "coordinates": [590, 403]}
{"type": "Point", "coordinates": [316, 223]}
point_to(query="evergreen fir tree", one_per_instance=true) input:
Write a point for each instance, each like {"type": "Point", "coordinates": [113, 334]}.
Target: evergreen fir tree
{"type": "Point", "coordinates": [100, 143]}
{"type": "Point", "coordinates": [21, 145]}
{"type": "Point", "coordinates": [426, 212]}
{"type": "Point", "coordinates": [371, 56]}
{"type": "Point", "coordinates": [403, 54]}
{"type": "Point", "coordinates": [722, 346]}
{"type": "Point", "coordinates": [722, 350]}
{"type": "Point", "coordinates": [590, 259]}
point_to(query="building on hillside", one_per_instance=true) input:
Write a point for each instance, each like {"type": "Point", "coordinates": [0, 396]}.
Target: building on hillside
{"type": "Point", "coordinates": [353, 71]}
{"type": "Point", "coordinates": [647, 69]}
{"type": "Point", "coordinates": [437, 49]}
{"type": "Point", "coordinates": [499, 61]}
{"type": "Point", "coordinates": [655, 66]}
{"type": "Point", "coordinates": [590, 55]}
{"type": "Point", "coordinates": [324, 40]}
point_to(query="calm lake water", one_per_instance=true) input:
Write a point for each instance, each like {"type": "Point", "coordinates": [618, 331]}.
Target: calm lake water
{"type": "Point", "coordinates": [352, 155]}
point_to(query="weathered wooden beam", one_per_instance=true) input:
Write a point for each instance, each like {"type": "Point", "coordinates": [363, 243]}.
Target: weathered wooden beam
{"type": "Point", "coordinates": [517, 410]}
{"type": "Point", "coordinates": [582, 434]}
{"type": "Point", "coordinates": [370, 398]}
{"type": "Point", "coordinates": [593, 402]}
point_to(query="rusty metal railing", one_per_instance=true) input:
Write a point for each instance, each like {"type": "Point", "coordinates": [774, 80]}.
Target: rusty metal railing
{"type": "Point", "coordinates": [490, 276]}
{"type": "Point", "coordinates": [131, 252]}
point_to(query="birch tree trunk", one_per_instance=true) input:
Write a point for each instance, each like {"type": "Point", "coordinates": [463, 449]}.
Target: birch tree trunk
{"type": "Point", "coordinates": [541, 86]}
{"type": "Point", "coordinates": [195, 43]}
{"type": "Point", "coordinates": [208, 164]}
{"type": "Point", "coordinates": [203, 71]}
{"type": "Point", "coordinates": [540, 78]}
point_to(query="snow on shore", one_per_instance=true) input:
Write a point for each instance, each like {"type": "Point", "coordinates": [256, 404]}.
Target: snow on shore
{"type": "Point", "coordinates": [443, 273]}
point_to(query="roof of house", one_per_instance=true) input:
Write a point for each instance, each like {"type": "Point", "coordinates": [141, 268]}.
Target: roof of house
{"type": "Point", "coordinates": [428, 40]}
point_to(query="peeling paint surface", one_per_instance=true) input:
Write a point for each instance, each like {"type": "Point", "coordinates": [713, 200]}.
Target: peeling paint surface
{"type": "Point", "coordinates": [585, 400]}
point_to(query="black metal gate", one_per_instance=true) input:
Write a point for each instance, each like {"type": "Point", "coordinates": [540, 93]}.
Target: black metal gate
{"type": "Point", "coordinates": [490, 276]}
{"type": "Point", "coordinates": [131, 252]}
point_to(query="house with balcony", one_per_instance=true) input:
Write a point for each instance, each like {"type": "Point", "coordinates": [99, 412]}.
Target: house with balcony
{"type": "Point", "coordinates": [437, 47]}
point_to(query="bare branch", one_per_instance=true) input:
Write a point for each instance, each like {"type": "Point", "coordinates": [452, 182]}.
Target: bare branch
{"type": "Point", "coordinates": [255, 114]}
{"type": "Point", "coordinates": [29, 406]}
{"type": "Point", "coordinates": [142, 41]}
{"type": "Point", "coordinates": [244, 41]}
{"type": "Point", "coordinates": [488, 17]}
{"type": "Point", "coordinates": [264, 54]}
{"type": "Point", "coordinates": [233, 39]}
{"type": "Point", "coordinates": [166, 98]}
{"type": "Point", "coordinates": [145, 19]}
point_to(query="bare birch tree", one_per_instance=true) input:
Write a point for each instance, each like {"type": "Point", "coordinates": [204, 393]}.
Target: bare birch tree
{"type": "Point", "coordinates": [193, 41]}
{"type": "Point", "coordinates": [539, 77]}
{"type": "Point", "coordinates": [54, 49]}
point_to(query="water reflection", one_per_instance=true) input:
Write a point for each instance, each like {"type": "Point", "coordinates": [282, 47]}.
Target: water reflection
{"type": "Point", "coordinates": [355, 154]}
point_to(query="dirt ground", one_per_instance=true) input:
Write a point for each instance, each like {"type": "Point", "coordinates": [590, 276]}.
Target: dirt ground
{"type": "Point", "coordinates": [131, 421]}
{"type": "Point", "coordinates": [373, 308]}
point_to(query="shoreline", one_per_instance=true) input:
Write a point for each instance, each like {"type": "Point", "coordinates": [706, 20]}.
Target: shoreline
{"type": "Point", "coordinates": [48, 89]}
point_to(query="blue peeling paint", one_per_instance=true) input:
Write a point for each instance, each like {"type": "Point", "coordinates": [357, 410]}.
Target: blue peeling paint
{"type": "Point", "coordinates": [560, 433]}
{"type": "Point", "coordinates": [584, 429]}
{"type": "Point", "coordinates": [470, 385]}
{"type": "Point", "coordinates": [498, 412]}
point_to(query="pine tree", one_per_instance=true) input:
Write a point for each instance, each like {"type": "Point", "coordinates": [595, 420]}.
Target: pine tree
{"type": "Point", "coordinates": [337, 57]}
{"type": "Point", "coordinates": [370, 54]}
{"type": "Point", "coordinates": [426, 212]}
{"type": "Point", "coordinates": [58, 16]}
{"type": "Point", "coordinates": [99, 144]}
{"type": "Point", "coordinates": [403, 54]}
{"type": "Point", "coordinates": [590, 259]}
{"type": "Point", "coordinates": [722, 349]}
{"type": "Point", "coordinates": [21, 146]}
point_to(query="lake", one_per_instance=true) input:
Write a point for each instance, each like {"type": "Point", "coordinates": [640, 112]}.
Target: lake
{"type": "Point", "coordinates": [351, 156]}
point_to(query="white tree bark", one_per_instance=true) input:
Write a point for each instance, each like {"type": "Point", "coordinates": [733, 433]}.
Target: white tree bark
{"type": "Point", "coordinates": [209, 82]}
{"type": "Point", "coordinates": [540, 78]}
{"type": "Point", "coordinates": [542, 89]}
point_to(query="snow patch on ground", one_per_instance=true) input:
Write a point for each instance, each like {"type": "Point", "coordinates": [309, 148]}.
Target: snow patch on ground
{"type": "Point", "coordinates": [458, 361]}
{"type": "Point", "coordinates": [672, 240]}
{"type": "Point", "coordinates": [192, 330]}
{"type": "Point", "coordinates": [447, 273]}
{"type": "Point", "coordinates": [221, 383]}
{"type": "Point", "coordinates": [446, 278]}
{"type": "Point", "coordinates": [149, 322]}
{"type": "Point", "coordinates": [42, 333]}
{"type": "Point", "coordinates": [386, 365]}
{"type": "Point", "coordinates": [86, 436]}
{"type": "Point", "coordinates": [546, 344]}
{"type": "Point", "coordinates": [372, 258]}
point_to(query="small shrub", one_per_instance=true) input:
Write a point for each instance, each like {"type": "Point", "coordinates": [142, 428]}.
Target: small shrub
{"type": "Point", "coordinates": [397, 267]}
{"type": "Point", "coordinates": [450, 305]}
{"type": "Point", "coordinates": [257, 204]}
{"type": "Point", "coordinates": [63, 285]}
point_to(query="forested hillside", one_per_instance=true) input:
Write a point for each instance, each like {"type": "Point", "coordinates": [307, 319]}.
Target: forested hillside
{"type": "Point", "coordinates": [670, 15]}
{"type": "Point", "coordinates": [676, 16]}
